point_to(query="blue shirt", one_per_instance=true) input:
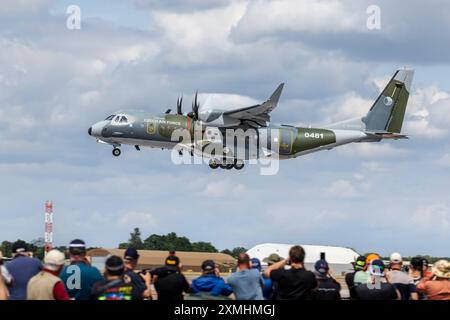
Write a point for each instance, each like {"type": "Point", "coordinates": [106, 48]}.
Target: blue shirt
{"type": "Point", "coordinates": [79, 278]}
{"type": "Point", "coordinates": [22, 269]}
{"type": "Point", "coordinates": [247, 284]}
{"type": "Point", "coordinates": [212, 285]}
{"type": "Point", "coordinates": [268, 288]}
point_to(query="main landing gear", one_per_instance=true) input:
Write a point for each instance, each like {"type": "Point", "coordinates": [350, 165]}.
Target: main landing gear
{"type": "Point", "coordinates": [237, 164]}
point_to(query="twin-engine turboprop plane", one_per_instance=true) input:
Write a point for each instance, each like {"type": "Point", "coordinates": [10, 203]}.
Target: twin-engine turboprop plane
{"type": "Point", "coordinates": [207, 132]}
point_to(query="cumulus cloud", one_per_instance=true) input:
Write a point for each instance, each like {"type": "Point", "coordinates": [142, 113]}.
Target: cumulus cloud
{"type": "Point", "coordinates": [265, 18]}
{"type": "Point", "coordinates": [373, 150]}
{"type": "Point", "coordinates": [224, 189]}
{"type": "Point", "coordinates": [343, 189]}
{"type": "Point", "coordinates": [428, 113]}
{"type": "Point", "coordinates": [199, 37]}
{"type": "Point", "coordinates": [436, 216]}
{"type": "Point", "coordinates": [131, 219]}
{"type": "Point", "coordinates": [21, 6]}
{"type": "Point", "coordinates": [179, 5]}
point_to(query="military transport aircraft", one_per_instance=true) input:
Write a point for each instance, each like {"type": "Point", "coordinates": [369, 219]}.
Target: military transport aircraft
{"type": "Point", "coordinates": [383, 121]}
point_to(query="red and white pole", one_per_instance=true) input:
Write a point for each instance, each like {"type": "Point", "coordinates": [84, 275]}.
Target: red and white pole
{"type": "Point", "coordinates": [48, 226]}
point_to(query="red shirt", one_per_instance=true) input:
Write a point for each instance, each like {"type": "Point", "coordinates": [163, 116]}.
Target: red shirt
{"type": "Point", "coordinates": [59, 291]}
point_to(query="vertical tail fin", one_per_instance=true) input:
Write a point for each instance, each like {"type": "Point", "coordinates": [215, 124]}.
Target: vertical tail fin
{"type": "Point", "coordinates": [388, 111]}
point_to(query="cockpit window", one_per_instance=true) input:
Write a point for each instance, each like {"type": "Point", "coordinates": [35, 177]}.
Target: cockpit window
{"type": "Point", "coordinates": [110, 117]}
{"type": "Point", "coordinates": [116, 119]}
{"type": "Point", "coordinates": [123, 119]}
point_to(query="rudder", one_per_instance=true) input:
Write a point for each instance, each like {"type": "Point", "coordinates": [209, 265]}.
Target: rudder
{"type": "Point", "coordinates": [388, 111]}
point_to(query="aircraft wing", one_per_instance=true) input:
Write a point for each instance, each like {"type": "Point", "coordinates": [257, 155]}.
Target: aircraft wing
{"type": "Point", "coordinates": [258, 113]}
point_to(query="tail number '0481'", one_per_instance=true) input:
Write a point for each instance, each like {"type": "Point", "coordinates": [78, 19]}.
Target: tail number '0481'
{"type": "Point", "coordinates": [314, 135]}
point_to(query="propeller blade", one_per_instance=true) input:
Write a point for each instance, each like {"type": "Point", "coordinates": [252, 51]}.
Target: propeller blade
{"type": "Point", "coordinates": [195, 105]}
{"type": "Point", "coordinates": [179, 105]}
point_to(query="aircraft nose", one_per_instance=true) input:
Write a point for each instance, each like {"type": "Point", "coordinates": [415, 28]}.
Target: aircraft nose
{"type": "Point", "coordinates": [90, 131]}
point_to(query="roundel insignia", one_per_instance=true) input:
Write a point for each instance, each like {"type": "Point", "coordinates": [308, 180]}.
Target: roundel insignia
{"type": "Point", "coordinates": [151, 128]}
{"type": "Point", "coordinates": [388, 101]}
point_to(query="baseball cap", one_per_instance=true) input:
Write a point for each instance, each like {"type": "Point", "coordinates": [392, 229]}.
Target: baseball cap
{"type": "Point", "coordinates": [321, 266]}
{"type": "Point", "coordinates": [256, 264]}
{"type": "Point", "coordinates": [360, 263]}
{"type": "Point", "coordinates": [396, 258]}
{"type": "Point", "coordinates": [172, 261]}
{"type": "Point", "coordinates": [19, 247]}
{"type": "Point", "coordinates": [377, 267]}
{"type": "Point", "coordinates": [54, 259]}
{"type": "Point", "coordinates": [208, 265]}
{"type": "Point", "coordinates": [114, 264]}
{"type": "Point", "coordinates": [372, 256]}
{"type": "Point", "coordinates": [131, 254]}
{"type": "Point", "coordinates": [272, 259]}
{"type": "Point", "coordinates": [77, 246]}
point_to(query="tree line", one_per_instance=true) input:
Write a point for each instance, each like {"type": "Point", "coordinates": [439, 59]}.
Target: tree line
{"type": "Point", "coordinates": [172, 241]}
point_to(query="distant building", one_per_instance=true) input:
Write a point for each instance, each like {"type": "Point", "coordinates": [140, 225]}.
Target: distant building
{"type": "Point", "coordinates": [339, 258]}
{"type": "Point", "coordinates": [150, 259]}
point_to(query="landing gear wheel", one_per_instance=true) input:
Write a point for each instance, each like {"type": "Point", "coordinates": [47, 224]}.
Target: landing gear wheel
{"type": "Point", "coordinates": [116, 152]}
{"type": "Point", "coordinates": [239, 165]}
{"type": "Point", "coordinates": [213, 164]}
{"type": "Point", "coordinates": [229, 166]}
{"type": "Point", "coordinates": [223, 166]}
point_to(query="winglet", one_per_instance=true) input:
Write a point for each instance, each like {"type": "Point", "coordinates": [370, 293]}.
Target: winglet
{"type": "Point", "coordinates": [273, 100]}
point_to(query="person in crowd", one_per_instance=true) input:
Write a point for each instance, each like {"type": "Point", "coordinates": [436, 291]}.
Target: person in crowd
{"type": "Point", "coordinates": [416, 269]}
{"type": "Point", "coordinates": [417, 272]}
{"type": "Point", "coordinates": [7, 277]}
{"type": "Point", "coordinates": [246, 282]}
{"type": "Point", "coordinates": [378, 287]}
{"type": "Point", "coordinates": [22, 268]}
{"type": "Point", "coordinates": [269, 290]}
{"type": "Point", "coordinates": [363, 276]}
{"type": "Point", "coordinates": [169, 281]}
{"type": "Point", "coordinates": [210, 283]}
{"type": "Point", "coordinates": [46, 285]}
{"type": "Point", "coordinates": [3, 289]}
{"type": "Point", "coordinates": [142, 283]}
{"type": "Point", "coordinates": [426, 268]}
{"type": "Point", "coordinates": [115, 286]}
{"type": "Point", "coordinates": [402, 281]}
{"type": "Point", "coordinates": [79, 276]}
{"type": "Point", "coordinates": [295, 283]}
{"type": "Point", "coordinates": [358, 265]}
{"type": "Point", "coordinates": [328, 288]}
{"type": "Point", "coordinates": [436, 286]}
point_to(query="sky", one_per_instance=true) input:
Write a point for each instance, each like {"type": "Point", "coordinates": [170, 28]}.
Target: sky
{"type": "Point", "coordinates": [56, 82]}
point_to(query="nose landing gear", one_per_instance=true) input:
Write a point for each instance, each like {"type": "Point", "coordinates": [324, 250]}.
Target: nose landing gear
{"type": "Point", "coordinates": [213, 164]}
{"type": "Point", "coordinates": [116, 152]}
